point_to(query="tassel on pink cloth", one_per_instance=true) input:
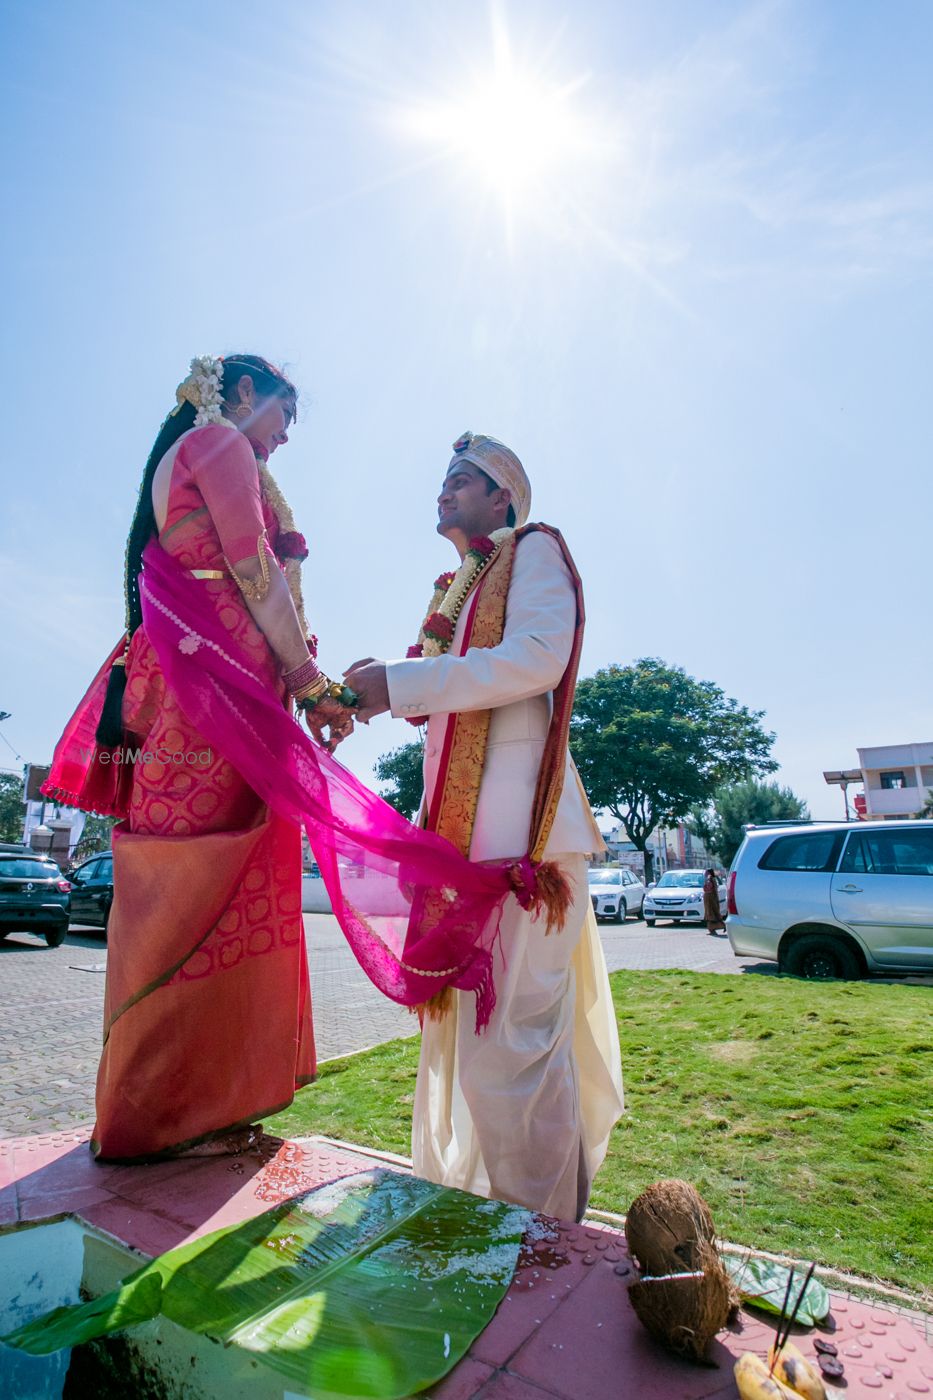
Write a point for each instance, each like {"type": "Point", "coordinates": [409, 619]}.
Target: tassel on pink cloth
{"type": "Point", "coordinates": [542, 888]}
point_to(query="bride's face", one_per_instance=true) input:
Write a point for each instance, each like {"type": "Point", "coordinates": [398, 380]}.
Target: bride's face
{"type": "Point", "coordinates": [268, 419]}
{"type": "Point", "coordinates": [268, 423]}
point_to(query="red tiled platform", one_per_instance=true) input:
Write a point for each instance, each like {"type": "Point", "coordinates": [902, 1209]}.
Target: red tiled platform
{"type": "Point", "coordinates": [564, 1331]}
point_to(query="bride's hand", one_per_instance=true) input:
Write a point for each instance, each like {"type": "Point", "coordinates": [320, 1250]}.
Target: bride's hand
{"type": "Point", "coordinates": [330, 715]}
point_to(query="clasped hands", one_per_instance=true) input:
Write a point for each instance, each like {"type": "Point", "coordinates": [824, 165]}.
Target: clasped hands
{"type": "Point", "coordinates": [369, 680]}
{"type": "Point", "coordinates": [331, 722]}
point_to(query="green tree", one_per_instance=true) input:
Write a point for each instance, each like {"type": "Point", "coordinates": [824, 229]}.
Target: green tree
{"type": "Point", "coordinates": [96, 836]}
{"type": "Point", "coordinates": [12, 807]}
{"type": "Point", "coordinates": [402, 769]}
{"type": "Point", "coordinates": [652, 742]}
{"type": "Point", "coordinates": [927, 809]}
{"type": "Point", "coordinates": [721, 823]}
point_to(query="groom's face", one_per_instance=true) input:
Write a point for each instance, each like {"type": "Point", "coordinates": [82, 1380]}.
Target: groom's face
{"type": "Point", "coordinates": [466, 507]}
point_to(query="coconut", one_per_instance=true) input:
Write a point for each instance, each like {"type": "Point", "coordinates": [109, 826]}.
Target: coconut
{"type": "Point", "coordinates": [670, 1232]}
{"type": "Point", "coordinates": [666, 1225]}
{"type": "Point", "coordinates": [684, 1313]}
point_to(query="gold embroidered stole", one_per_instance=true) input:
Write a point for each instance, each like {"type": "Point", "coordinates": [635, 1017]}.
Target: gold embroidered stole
{"type": "Point", "coordinates": [456, 792]}
{"type": "Point", "coordinates": [452, 810]}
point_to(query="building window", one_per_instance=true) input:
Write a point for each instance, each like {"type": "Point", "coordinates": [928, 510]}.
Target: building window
{"type": "Point", "coordinates": [893, 780]}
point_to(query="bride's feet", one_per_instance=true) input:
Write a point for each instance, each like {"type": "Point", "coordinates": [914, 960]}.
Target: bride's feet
{"type": "Point", "coordinates": [226, 1144]}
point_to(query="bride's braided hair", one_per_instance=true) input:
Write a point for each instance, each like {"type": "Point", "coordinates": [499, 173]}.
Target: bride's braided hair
{"type": "Point", "coordinates": [268, 381]}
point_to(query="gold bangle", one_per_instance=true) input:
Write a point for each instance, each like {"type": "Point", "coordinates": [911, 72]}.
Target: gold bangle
{"type": "Point", "coordinates": [253, 592]}
{"type": "Point", "coordinates": [314, 691]}
{"type": "Point", "coordinates": [333, 690]}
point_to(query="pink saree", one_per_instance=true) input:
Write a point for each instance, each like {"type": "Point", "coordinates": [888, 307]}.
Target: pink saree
{"type": "Point", "coordinates": [207, 1010]}
{"type": "Point", "coordinates": [207, 1013]}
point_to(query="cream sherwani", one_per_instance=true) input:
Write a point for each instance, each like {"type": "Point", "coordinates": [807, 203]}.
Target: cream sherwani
{"type": "Point", "coordinates": [523, 1111]}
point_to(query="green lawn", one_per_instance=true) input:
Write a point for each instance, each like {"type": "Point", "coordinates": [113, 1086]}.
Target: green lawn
{"type": "Point", "coordinates": [801, 1111]}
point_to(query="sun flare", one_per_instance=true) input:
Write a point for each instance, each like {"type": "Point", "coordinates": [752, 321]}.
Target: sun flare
{"type": "Point", "coordinates": [511, 130]}
{"type": "Point", "coordinates": [508, 124]}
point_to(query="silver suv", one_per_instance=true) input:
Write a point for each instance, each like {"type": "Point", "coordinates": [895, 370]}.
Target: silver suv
{"type": "Point", "coordinates": [835, 899]}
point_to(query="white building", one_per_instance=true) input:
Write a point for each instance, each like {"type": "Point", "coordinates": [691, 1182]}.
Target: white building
{"type": "Point", "coordinates": [66, 823]}
{"type": "Point", "coordinates": [621, 851]}
{"type": "Point", "coordinates": [898, 778]}
{"type": "Point", "coordinates": [670, 848]}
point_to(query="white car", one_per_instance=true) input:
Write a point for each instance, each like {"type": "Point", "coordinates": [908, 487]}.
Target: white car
{"type": "Point", "coordinates": [616, 894]}
{"type": "Point", "coordinates": [678, 895]}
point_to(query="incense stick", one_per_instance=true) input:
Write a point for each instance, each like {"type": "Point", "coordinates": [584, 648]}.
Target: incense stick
{"type": "Point", "coordinates": [793, 1316]}
{"type": "Point", "coordinates": [777, 1338]}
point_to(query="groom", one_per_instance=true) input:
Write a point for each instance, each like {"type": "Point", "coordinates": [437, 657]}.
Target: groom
{"type": "Point", "coordinates": [521, 1112]}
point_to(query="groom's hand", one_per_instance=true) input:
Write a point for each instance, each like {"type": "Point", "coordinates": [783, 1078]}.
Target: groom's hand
{"type": "Point", "coordinates": [368, 679]}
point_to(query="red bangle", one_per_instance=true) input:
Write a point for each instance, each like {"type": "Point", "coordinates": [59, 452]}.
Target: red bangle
{"type": "Point", "coordinates": [302, 676]}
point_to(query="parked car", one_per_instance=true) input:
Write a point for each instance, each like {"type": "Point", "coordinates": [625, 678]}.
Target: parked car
{"type": "Point", "coordinates": [616, 893]}
{"type": "Point", "coordinates": [678, 895]}
{"type": "Point", "coordinates": [92, 890]}
{"type": "Point", "coordinates": [34, 897]}
{"type": "Point", "coordinates": [835, 899]}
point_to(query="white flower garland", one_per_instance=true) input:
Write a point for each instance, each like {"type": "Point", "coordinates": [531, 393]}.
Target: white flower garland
{"type": "Point", "coordinates": [449, 602]}
{"type": "Point", "coordinates": [291, 568]}
{"type": "Point", "coordinates": [202, 390]}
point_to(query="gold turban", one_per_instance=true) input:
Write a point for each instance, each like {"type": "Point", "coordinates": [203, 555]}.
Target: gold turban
{"type": "Point", "coordinates": [499, 462]}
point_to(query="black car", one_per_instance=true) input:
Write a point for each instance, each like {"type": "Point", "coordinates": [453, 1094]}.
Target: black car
{"type": "Point", "coordinates": [92, 890]}
{"type": "Point", "coordinates": [34, 897]}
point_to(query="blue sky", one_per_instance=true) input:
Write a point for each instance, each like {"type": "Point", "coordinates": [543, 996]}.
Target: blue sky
{"type": "Point", "coordinates": [699, 311]}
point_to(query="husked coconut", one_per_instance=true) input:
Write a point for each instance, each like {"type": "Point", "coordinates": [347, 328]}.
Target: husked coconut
{"type": "Point", "coordinates": [670, 1232]}
{"type": "Point", "coordinates": [665, 1226]}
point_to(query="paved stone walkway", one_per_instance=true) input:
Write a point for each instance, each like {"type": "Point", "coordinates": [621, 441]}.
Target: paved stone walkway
{"type": "Point", "coordinates": [51, 1006]}
{"type": "Point", "coordinates": [565, 1329]}
{"type": "Point", "coordinates": [638, 948]}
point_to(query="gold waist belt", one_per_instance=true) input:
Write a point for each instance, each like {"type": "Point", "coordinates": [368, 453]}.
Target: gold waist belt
{"type": "Point", "coordinates": [208, 573]}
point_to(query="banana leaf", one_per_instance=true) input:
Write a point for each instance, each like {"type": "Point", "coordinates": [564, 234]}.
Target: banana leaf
{"type": "Point", "coordinates": [763, 1283]}
{"type": "Point", "coordinates": [374, 1286]}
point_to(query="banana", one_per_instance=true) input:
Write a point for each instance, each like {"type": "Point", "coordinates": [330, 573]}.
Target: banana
{"type": "Point", "coordinates": [754, 1383]}
{"type": "Point", "coordinates": [793, 1368]}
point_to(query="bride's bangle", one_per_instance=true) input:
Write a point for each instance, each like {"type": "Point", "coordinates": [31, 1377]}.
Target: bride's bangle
{"type": "Point", "coordinates": [331, 690]}
{"type": "Point", "coordinates": [302, 677]}
{"type": "Point", "coordinates": [311, 694]}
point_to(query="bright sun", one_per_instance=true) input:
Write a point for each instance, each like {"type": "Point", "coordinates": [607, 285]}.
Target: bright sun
{"type": "Point", "coordinates": [511, 127]}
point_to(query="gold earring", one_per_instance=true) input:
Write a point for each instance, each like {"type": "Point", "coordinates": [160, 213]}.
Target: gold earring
{"type": "Point", "coordinates": [242, 410]}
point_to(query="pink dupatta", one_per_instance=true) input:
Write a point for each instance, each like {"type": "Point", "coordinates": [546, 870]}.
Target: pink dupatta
{"type": "Point", "coordinates": [382, 873]}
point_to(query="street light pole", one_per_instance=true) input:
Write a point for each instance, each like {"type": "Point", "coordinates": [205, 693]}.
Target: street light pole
{"type": "Point", "coordinates": [842, 777]}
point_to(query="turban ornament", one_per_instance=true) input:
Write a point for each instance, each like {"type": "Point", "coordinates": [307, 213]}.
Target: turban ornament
{"type": "Point", "coordinates": [499, 462]}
